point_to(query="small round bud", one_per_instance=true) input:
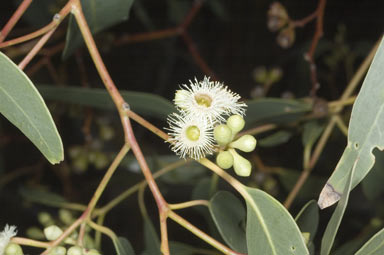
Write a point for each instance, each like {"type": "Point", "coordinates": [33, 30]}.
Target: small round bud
{"type": "Point", "coordinates": [66, 216]}
{"type": "Point", "coordinates": [80, 163]}
{"type": "Point", "coordinates": [52, 232]}
{"type": "Point", "coordinates": [13, 249]}
{"type": "Point", "coordinates": [101, 161]}
{"type": "Point", "coordinates": [246, 143]}
{"type": "Point", "coordinates": [286, 37]}
{"type": "Point", "coordinates": [106, 132]}
{"type": "Point", "coordinates": [58, 250]}
{"type": "Point", "coordinates": [222, 134]}
{"type": "Point", "coordinates": [35, 233]}
{"type": "Point", "coordinates": [45, 219]}
{"type": "Point", "coordinates": [75, 250]}
{"type": "Point", "coordinates": [241, 165]}
{"type": "Point", "coordinates": [224, 159]}
{"type": "Point", "coordinates": [260, 74]}
{"type": "Point", "coordinates": [91, 252]}
{"type": "Point", "coordinates": [236, 123]}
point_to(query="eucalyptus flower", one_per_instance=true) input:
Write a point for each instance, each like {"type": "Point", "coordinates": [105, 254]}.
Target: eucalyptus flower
{"type": "Point", "coordinates": [190, 136]}
{"type": "Point", "coordinates": [208, 99]}
{"type": "Point", "coordinates": [5, 237]}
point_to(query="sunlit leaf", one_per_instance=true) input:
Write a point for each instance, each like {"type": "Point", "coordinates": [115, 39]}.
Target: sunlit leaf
{"type": "Point", "coordinates": [228, 213]}
{"type": "Point", "coordinates": [375, 245]}
{"type": "Point", "coordinates": [141, 103]}
{"type": "Point", "coordinates": [100, 14]}
{"type": "Point", "coordinates": [337, 216]}
{"type": "Point", "coordinates": [22, 105]}
{"type": "Point", "coordinates": [364, 133]}
{"type": "Point", "coordinates": [270, 228]}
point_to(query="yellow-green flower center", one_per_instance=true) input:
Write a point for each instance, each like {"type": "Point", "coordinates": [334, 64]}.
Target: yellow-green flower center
{"type": "Point", "coordinates": [203, 100]}
{"type": "Point", "coordinates": [193, 133]}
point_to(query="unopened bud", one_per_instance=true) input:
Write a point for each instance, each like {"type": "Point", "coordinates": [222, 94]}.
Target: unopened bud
{"type": "Point", "coordinates": [52, 232]}
{"type": "Point", "coordinates": [222, 134]}
{"type": "Point", "coordinates": [235, 123]}
{"type": "Point", "coordinates": [58, 250]}
{"type": "Point", "coordinates": [224, 159]}
{"type": "Point", "coordinates": [13, 249]}
{"type": "Point", "coordinates": [75, 250]}
{"type": "Point", "coordinates": [241, 165]}
{"type": "Point", "coordinates": [246, 143]}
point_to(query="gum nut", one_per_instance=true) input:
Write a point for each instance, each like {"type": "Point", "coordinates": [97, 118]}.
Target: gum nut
{"type": "Point", "coordinates": [246, 143]}
{"type": "Point", "coordinates": [58, 250]}
{"type": "Point", "coordinates": [75, 250]}
{"type": "Point", "coordinates": [224, 159]}
{"type": "Point", "coordinates": [236, 123]}
{"type": "Point", "coordinates": [13, 249]}
{"type": "Point", "coordinates": [222, 134]}
{"type": "Point", "coordinates": [241, 165]}
{"type": "Point", "coordinates": [52, 232]}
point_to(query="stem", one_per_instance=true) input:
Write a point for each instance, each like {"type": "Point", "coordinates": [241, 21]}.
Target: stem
{"type": "Point", "coordinates": [30, 242]}
{"type": "Point", "coordinates": [188, 204]}
{"type": "Point", "coordinates": [14, 19]}
{"type": "Point", "coordinates": [224, 249]}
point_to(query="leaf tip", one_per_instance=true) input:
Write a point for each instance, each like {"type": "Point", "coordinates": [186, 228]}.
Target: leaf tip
{"type": "Point", "coordinates": [328, 196]}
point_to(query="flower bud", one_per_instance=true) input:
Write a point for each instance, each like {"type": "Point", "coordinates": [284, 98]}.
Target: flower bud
{"type": "Point", "coordinates": [180, 96]}
{"type": "Point", "coordinates": [101, 161]}
{"type": "Point", "coordinates": [58, 250]}
{"type": "Point", "coordinates": [91, 252]}
{"type": "Point", "coordinates": [246, 143]}
{"type": "Point", "coordinates": [277, 17]}
{"type": "Point", "coordinates": [52, 232]}
{"type": "Point", "coordinates": [224, 159]}
{"type": "Point", "coordinates": [235, 123]}
{"type": "Point", "coordinates": [66, 216]}
{"type": "Point", "coordinates": [35, 233]}
{"type": "Point", "coordinates": [13, 249]}
{"type": "Point", "coordinates": [286, 37]}
{"type": "Point", "coordinates": [106, 132]}
{"type": "Point", "coordinates": [75, 250]}
{"type": "Point", "coordinates": [241, 165]}
{"type": "Point", "coordinates": [45, 219]}
{"type": "Point", "coordinates": [222, 134]}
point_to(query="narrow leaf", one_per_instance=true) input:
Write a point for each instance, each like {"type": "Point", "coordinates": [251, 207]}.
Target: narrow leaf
{"type": "Point", "coordinates": [151, 240]}
{"type": "Point", "coordinates": [22, 105]}
{"type": "Point", "coordinates": [228, 213]}
{"type": "Point", "coordinates": [275, 139]}
{"type": "Point", "coordinates": [364, 134]}
{"type": "Point", "coordinates": [308, 219]}
{"type": "Point", "coordinates": [123, 246]}
{"type": "Point", "coordinates": [270, 228]}
{"type": "Point", "coordinates": [141, 103]}
{"type": "Point", "coordinates": [334, 222]}
{"type": "Point", "coordinates": [375, 245]}
{"type": "Point", "coordinates": [100, 14]}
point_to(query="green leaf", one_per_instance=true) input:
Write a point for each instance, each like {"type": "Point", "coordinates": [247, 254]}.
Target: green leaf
{"type": "Point", "coordinates": [364, 134]}
{"type": "Point", "coordinates": [277, 138]}
{"type": "Point", "coordinates": [23, 106]}
{"type": "Point", "coordinates": [151, 240]}
{"type": "Point", "coordinates": [308, 219]}
{"type": "Point", "coordinates": [123, 246]}
{"type": "Point", "coordinates": [375, 245]}
{"type": "Point", "coordinates": [270, 228]}
{"type": "Point", "coordinates": [312, 131]}
{"type": "Point", "coordinates": [141, 103]}
{"type": "Point", "coordinates": [334, 222]}
{"type": "Point", "coordinates": [228, 213]}
{"type": "Point", "coordinates": [100, 14]}
{"type": "Point", "coordinates": [182, 248]}
{"type": "Point", "coordinates": [372, 185]}
{"type": "Point", "coordinates": [275, 110]}
{"type": "Point", "coordinates": [44, 197]}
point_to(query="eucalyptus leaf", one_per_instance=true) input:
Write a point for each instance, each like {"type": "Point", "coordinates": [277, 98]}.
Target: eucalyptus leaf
{"type": "Point", "coordinates": [276, 110]}
{"type": "Point", "coordinates": [23, 106]}
{"type": "Point", "coordinates": [334, 222]}
{"type": "Point", "coordinates": [270, 228]}
{"type": "Point", "coordinates": [44, 197]}
{"type": "Point", "coordinates": [375, 245]}
{"type": "Point", "coordinates": [275, 139]}
{"type": "Point", "coordinates": [312, 131]}
{"type": "Point", "coordinates": [308, 219]}
{"type": "Point", "coordinates": [372, 185]}
{"type": "Point", "coordinates": [182, 248]}
{"type": "Point", "coordinates": [151, 239]}
{"type": "Point", "coordinates": [99, 14]}
{"type": "Point", "coordinates": [141, 103]}
{"type": "Point", "coordinates": [364, 133]}
{"type": "Point", "coordinates": [229, 214]}
{"type": "Point", "coordinates": [123, 246]}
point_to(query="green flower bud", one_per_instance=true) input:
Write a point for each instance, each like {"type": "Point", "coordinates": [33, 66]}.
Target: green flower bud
{"type": "Point", "coordinates": [75, 250]}
{"type": "Point", "coordinates": [45, 219]}
{"type": "Point", "coordinates": [246, 143]}
{"type": "Point", "coordinates": [241, 165]}
{"type": "Point", "coordinates": [13, 249]}
{"type": "Point", "coordinates": [66, 216]}
{"type": "Point", "coordinates": [58, 250]}
{"type": "Point", "coordinates": [52, 232]}
{"type": "Point", "coordinates": [222, 134]}
{"type": "Point", "coordinates": [80, 163]}
{"type": "Point", "coordinates": [224, 159]}
{"type": "Point", "coordinates": [88, 242]}
{"type": "Point", "coordinates": [35, 233]}
{"type": "Point", "coordinates": [101, 161]}
{"type": "Point", "coordinates": [106, 132]}
{"type": "Point", "coordinates": [91, 252]}
{"type": "Point", "coordinates": [236, 123]}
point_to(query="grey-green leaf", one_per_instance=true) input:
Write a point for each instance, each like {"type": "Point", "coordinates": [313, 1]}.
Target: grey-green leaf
{"type": "Point", "coordinates": [100, 14]}
{"type": "Point", "coordinates": [141, 103]}
{"type": "Point", "coordinates": [123, 246]}
{"type": "Point", "coordinates": [228, 213]}
{"type": "Point", "coordinates": [364, 134]}
{"type": "Point", "coordinates": [337, 216]}
{"type": "Point", "coordinates": [375, 245]}
{"type": "Point", "coordinates": [270, 228]}
{"type": "Point", "coordinates": [275, 139]}
{"type": "Point", "coordinates": [21, 104]}
{"type": "Point", "coordinates": [308, 219]}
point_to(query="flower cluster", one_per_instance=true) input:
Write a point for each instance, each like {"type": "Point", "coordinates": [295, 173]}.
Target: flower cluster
{"type": "Point", "coordinates": [202, 106]}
